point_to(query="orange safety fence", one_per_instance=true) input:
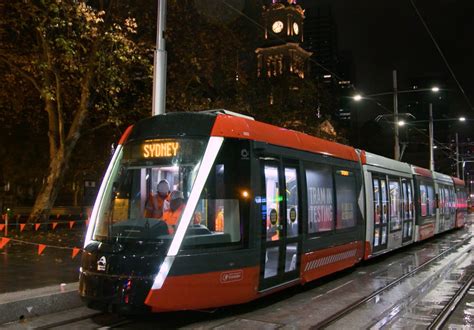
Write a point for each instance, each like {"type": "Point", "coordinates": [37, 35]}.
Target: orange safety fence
{"type": "Point", "coordinates": [38, 225]}
{"type": "Point", "coordinates": [40, 247]}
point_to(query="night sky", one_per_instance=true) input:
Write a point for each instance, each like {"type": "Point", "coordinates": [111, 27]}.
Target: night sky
{"type": "Point", "coordinates": [387, 35]}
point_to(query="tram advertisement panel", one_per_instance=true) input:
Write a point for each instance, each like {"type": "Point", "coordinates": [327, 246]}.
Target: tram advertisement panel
{"type": "Point", "coordinates": [320, 198]}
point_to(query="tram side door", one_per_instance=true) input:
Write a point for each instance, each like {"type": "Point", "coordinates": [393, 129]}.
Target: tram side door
{"type": "Point", "coordinates": [380, 211]}
{"type": "Point", "coordinates": [281, 241]}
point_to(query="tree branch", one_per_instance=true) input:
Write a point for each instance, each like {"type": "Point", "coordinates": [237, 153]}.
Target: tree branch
{"type": "Point", "coordinates": [22, 72]}
{"type": "Point", "coordinates": [94, 129]}
{"type": "Point", "coordinates": [59, 109]}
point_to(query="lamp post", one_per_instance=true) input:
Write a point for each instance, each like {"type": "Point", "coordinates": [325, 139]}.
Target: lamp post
{"type": "Point", "coordinates": [430, 129]}
{"type": "Point", "coordinates": [159, 62]}
{"type": "Point", "coordinates": [396, 146]}
{"type": "Point", "coordinates": [395, 92]}
{"type": "Point", "coordinates": [457, 154]}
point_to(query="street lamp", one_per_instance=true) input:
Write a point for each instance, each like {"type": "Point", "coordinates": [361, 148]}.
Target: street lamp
{"type": "Point", "coordinates": [431, 136]}
{"type": "Point", "coordinates": [395, 92]}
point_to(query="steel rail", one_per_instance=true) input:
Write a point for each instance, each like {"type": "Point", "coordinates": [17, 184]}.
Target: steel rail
{"type": "Point", "coordinates": [331, 319]}
{"type": "Point", "coordinates": [449, 308]}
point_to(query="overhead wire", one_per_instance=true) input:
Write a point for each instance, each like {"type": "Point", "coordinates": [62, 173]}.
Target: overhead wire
{"type": "Point", "coordinates": [441, 54]}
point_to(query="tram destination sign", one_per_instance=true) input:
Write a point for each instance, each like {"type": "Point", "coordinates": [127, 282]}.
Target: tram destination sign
{"type": "Point", "coordinates": [165, 149]}
{"type": "Point", "coordinates": [160, 149]}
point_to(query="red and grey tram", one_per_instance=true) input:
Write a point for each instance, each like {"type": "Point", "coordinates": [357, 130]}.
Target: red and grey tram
{"type": "Point", "coordinates": [246, 209]}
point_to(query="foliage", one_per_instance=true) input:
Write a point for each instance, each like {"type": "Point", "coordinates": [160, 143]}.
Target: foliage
{"type": "Point", "coordinates": [206, 58]}
{"type": "Point", "coordinates": [83, 64]}
{"type": "Point", "coordinates": [69, 67]}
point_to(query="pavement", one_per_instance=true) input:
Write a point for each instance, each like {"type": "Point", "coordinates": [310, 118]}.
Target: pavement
{"type": "Point", "coordinates": [34, 284]}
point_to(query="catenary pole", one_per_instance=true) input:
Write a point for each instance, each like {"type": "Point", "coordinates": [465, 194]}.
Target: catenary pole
{"type": "Point", "coordinates": [432, 166]}
{"type": "Point", "coordinates": [396, 147]}
{"type": "Point", "coordinates": [457, 155]}
{"type": "Point", "coordinates": [159, 63]}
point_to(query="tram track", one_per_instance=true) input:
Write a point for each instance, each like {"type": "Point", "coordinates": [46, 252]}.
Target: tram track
{"type": "Point", "coordinates": [449, 308]}
{"type": "Point", "coordinates": [359, 303]}
{"type": "Point", "coordinates": [99, 320]}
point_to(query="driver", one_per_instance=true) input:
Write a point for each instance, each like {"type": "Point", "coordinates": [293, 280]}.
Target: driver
{"type": "Point", "coordinates": [158, 203]}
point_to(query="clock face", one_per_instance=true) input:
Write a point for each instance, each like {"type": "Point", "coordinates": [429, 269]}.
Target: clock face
{"type": "Point", "coordinates": [296, 28]}
{"type": "Point", "coordinates": [277, 26]}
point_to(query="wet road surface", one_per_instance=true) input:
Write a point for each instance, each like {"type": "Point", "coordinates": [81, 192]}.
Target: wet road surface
{"type": "Point", "coordinates": [409, 304]}
{"type": "Point", "coordinates": [22, 268]}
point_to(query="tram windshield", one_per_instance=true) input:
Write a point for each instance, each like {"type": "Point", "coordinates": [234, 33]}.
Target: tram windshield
{"type": "Point", "coordinates": [151, 183]}
{"type": "Point", "coordinates": [148, 189]}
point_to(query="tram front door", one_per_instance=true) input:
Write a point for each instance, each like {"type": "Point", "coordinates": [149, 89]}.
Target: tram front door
{"type": "Point", "coordinates": [281, 241]}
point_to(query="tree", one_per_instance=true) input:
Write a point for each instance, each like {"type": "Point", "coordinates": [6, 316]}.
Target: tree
{"type": "Point", "coordinates": [206, 46]}
{"type": "Point", "coordinates": [83, 65]}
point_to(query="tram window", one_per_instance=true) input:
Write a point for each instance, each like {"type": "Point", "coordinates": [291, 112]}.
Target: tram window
{"type": "Point", "coordinates": [407, 200]}
{"type": "Point", "coordinates": [130, 209]}
{"type": "Point", "coordinates": [292, 211]}
{"type": "Point", "coordinates": [395, 221]}
{"type": "Point", "coordinates": [447, 201]}
{"type": "Point", "coordinates": [223, 205]}
{"type": "Point", "coordinates": [410, 201]}
{"type": "Point", "coordinates": [452, 195]}
{"type": "Point", "coordinates": [423, 200]}
{"type": "Point", "coordinates": [441, 200]}
{"type": "Point", "coordinates": [272, 202]}
{"type": "Point", "coordinates": [346, 199]}
{"type": "Point", "coordinates": [431, 200]}
{"type": "Point", "coordinates": [404, 200]}
{"type": "Point", "coordinates": [320, 198]}
{"type": "Point", "coordinates": [383, 189]}
{"type": "Point", "coordinates": [377, 208]}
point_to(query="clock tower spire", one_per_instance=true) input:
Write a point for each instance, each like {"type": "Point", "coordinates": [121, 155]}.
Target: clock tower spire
{"type": "Point", "coordinates": [281, 53]}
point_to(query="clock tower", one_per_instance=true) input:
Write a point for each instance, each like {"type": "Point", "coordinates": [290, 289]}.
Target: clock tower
{"type": "Point", "coordinates": [281, 53]}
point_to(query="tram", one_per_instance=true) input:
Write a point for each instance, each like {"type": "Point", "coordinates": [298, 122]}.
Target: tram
{"type": "Point", "coordinates": [263, 208]}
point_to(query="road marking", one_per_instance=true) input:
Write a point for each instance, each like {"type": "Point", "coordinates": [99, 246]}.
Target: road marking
{"type": "Point", "coordinates": [340, 286]}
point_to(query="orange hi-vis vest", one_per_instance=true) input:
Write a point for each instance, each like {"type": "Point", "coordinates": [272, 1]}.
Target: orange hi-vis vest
{"type": "Point", "coordinates": [171, 218]}
{"type": "Point", "coordinates": [155, 206]}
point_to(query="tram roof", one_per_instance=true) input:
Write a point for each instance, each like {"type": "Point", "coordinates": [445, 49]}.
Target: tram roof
{"type": "Point", "coordinates": [421, 171]}
{"type": "Point", "coordinates": [232, 125]}
{"type": "Point", "coordinates": [458, 182]}
{"type": "Point", "coordinates": [384, 162]}
{"type": "Point", "coordinates": [442, 177]}
{"type": "Point", "coordinates": [244, 128]}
